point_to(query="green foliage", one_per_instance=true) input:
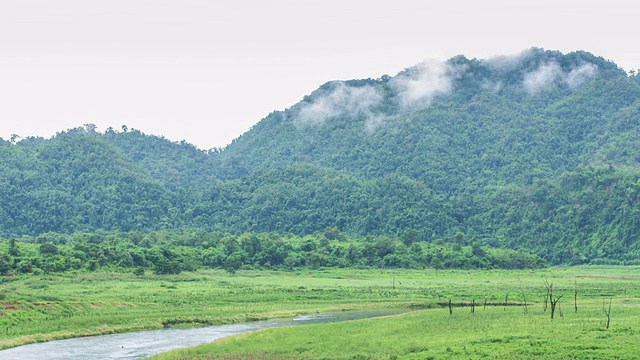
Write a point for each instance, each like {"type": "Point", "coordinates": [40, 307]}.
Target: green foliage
{"type": "Point", "coordinates": [139, 271]}
{"type": "Point", "coordinates": [552, 171]}
{"type": "Point", "coordinates": [165, 267]}
{"type": "Point", "coordinates": [170, 252]}
{"type": "Point", "coordinates": [232, 264]}
{"type": "Point", "coordinates": [5, 263]}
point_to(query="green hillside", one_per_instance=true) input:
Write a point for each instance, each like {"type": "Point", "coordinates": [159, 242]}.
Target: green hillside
{"type": "Point", "coordinates": [77, 182]}
{"type": "Point", "coordinates": [484, 128]}
{"type": "Point", "coordinates": [536, 152]}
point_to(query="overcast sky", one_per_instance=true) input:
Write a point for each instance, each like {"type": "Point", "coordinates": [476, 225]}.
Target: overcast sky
{"type": "Point", "coordinates": [205, 71]}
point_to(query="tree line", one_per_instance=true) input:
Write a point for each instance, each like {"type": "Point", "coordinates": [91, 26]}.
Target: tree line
{"type": "Point", "coordinates": [170, 252]}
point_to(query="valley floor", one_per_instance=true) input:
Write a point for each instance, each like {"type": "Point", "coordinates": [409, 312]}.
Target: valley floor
{"type": "Point", "coordinates": [41, 308]}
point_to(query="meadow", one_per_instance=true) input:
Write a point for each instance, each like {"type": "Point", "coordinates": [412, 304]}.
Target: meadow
{"type": "Point", "coordinates": [40, 308]}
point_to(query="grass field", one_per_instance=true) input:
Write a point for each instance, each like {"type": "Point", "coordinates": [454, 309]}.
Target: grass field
{"type": "Point", "coordinates": [49, 307]}
{"type": "Point", "coordinates": [434, 334]}
{"type": "Point", "coordinates": [492, 332]}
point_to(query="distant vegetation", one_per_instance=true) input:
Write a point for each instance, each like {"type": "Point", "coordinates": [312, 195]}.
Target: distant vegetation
{"type": "Point", "coordinates": [167, 252]}
{"type": "Point", "coordinates": [537, 153]}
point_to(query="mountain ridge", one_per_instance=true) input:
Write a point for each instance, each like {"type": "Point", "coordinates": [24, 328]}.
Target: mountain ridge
{"type": "Point", "coordinates": [494, 149]}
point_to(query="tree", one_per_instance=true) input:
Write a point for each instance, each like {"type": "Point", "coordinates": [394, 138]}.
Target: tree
{"type": "Point", "coordinates": [232, 264]}
{"type": "Point", "coordinates": [476, 249]}
{"type": "Point", "coordinates": [12, 247]}
{"type": "Point", "coordinates": [48, 249]}
{"type": "Point", "coordinates": [139, 271]}
{"type": "Point", "coordinates": [24, 267]}
{"type": "Point", "coordinates": [5, 264]}
{"type": "Point", "coordinates": [458, 241]}
{"type": "Point", "coordinates": [553, 301]}
{"type": "Point", "coordinates": [332, 233]}
{"type": "Point", "coordinates": [409, 236]}
{"type": "Point", "coordinates": [90, 128]}
{"type": "Point", "coordinates": [165, 267]}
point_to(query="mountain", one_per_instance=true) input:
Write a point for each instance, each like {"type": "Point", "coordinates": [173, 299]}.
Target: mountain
{"type": "Point", "coordinates": [537, 151]}
{"type": "Point", "coordinates": [481, 122]}
{"type": "Point", "coordinates": [76, 182]}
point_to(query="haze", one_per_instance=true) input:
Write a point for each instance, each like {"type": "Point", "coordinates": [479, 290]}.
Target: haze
{"type": "Point", "coordinates": [205, 71]}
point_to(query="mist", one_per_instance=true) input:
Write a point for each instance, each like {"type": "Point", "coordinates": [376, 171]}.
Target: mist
{"type": "Point", "coordinates": [342, 100]}
{"type": "Point", "coordinates": [549, 74]}
{"type": "Point", "coordinates": [422, 83]}
{"type": "Point", "coordinates": [417, 87]}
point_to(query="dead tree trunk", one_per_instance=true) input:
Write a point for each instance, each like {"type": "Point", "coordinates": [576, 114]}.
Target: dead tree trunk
{"type": "Point", "coordinates": [524, 298]}
{"type": "Point", "coordinates": [552, 301]}
{"type": "Point", "coordinates": [575, 296]}
{"type": "Point", "coordinates": [607, 312]}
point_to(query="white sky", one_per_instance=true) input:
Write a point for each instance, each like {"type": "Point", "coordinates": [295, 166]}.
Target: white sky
{"type": "Point", "coordinates": [205, 71]}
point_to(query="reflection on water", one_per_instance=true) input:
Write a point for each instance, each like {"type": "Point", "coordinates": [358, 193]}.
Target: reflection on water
{"type": "Point", "coordinates": [142, 344]}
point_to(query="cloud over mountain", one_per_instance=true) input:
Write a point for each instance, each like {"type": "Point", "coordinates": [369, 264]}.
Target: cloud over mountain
{"type": "Point", "coordinates": [341, 100]}
{"type": "Point", "coordinates": [534, 71]}
{"type": "Point", "coordinates": [550, 73]}
{"type": "Point", "coordinates": [422, 83]}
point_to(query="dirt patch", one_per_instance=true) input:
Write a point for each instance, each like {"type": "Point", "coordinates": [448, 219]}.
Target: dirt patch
{"type": "Point", "coordinates": [43, 306]}
{"type": "Point", "coordinates": [9, 306]}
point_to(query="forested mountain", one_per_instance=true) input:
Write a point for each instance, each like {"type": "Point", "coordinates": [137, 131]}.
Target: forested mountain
{"type": "Point", "coordinates": [458, 125]}
{"type": "Point", "coordinates": [537, 151]}
{"type": "Point", "coordinates": [76, 182]}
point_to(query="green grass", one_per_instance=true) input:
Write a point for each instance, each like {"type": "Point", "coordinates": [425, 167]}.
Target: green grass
{"type": "Point", "coordinates": [491, 332]}
{"type": "Point", "coordinates": [44, 308]}
{"type": "Point", "coordinates": [51, 307]}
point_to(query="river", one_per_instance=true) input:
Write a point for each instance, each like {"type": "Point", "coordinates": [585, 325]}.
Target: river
{"type": "Point", "coordinates": [138, 345]}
